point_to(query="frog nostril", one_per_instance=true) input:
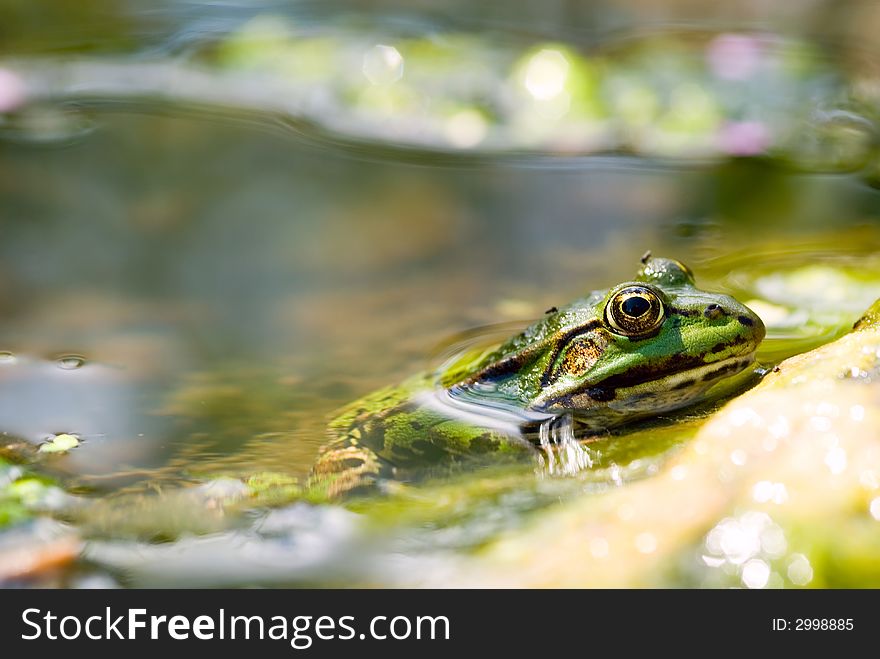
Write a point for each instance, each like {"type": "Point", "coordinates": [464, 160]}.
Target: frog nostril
{"type": "Point", "coordinates": [714, 311]}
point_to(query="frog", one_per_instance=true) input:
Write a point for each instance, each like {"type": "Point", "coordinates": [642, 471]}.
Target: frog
{"type": "Point", "coordinates": [639, 349]}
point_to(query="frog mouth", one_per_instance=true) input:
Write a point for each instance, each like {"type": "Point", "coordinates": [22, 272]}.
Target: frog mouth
{"type": "Point", "coordinates": [689, 373]}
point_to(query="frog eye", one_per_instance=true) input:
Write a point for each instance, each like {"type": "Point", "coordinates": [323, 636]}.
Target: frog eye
{"type": "Point", "coordinates": [634, 311]}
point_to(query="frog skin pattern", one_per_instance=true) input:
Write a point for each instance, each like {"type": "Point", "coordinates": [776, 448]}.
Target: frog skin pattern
{"type": "Point", "coordinates": [638, 349]}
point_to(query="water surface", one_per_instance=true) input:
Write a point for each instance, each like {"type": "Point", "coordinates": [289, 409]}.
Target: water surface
{"type": "Point", "coordinates": [205, 253]}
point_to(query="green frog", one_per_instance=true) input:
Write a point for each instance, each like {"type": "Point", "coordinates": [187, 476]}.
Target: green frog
{"type": "Point", "coordinates": [644, 347]}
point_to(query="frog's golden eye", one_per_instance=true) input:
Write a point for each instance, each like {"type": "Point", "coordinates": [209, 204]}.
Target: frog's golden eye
{"type": "Point", "coordinates": [635, 311]}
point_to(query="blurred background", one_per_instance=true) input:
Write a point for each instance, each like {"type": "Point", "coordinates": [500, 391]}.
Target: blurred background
{"type": "Point", "coordinates": [222, 221]}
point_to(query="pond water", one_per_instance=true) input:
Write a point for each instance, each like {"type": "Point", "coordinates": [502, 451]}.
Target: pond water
{"type": "Point", "coordinates": [223, 222]}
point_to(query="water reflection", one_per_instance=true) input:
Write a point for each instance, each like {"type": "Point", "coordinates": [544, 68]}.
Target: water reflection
{"type": "Point", "coordinates": [95, 409]}
{"type": "Point", "coordinates": [685, 95]}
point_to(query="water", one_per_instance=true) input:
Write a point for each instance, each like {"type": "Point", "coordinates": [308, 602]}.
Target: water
{"type": "Point", "coordinates": [204, 255]}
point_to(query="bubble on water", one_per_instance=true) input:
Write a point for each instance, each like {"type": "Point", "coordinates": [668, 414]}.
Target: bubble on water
{"type": "Point", "coordinates": [70, 362]}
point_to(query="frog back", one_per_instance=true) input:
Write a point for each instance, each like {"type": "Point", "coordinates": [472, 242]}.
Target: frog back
{"type": "Point", "coordinates": [396, 434]}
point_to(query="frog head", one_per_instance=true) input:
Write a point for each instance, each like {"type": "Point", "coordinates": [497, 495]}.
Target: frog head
{"type": "Point", "coordinates": [645, 346]}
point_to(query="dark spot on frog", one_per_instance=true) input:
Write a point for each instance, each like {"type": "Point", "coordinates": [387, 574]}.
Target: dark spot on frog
{"type": "Point", "coordinates": [714, 311]}
{"type": "Point", "coordinates": [352, 463]}
{"type": "Point", "coordinates": [776, 369]}
{"type": "Point", "coordinates": [415, 425]}
{"type": "Point", "coordinates": [551, 310]}
{"type": "Point", "coordinates": [428, 450]}
{"type": "Point", "coordinates": [402, 453]}
{"type": "Point", "coordinates": [483, 444]}
{"type": "Point", "coordinates": [684, 384]}
{"type": "Point", "coordinates": [675, 311]}
{"type": "Point", "coordinates": [718, 347]}
{"type": "Point", "coordinates": [364, 489]}
{"type": "Point", "coordinates": [745, 320]}
{"type": "Point", "coordinates": [373, 437]}
{"type": "Point", "coordinates": [648, 372]}
{"type": "Point", "coordinates": [601, 394]}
